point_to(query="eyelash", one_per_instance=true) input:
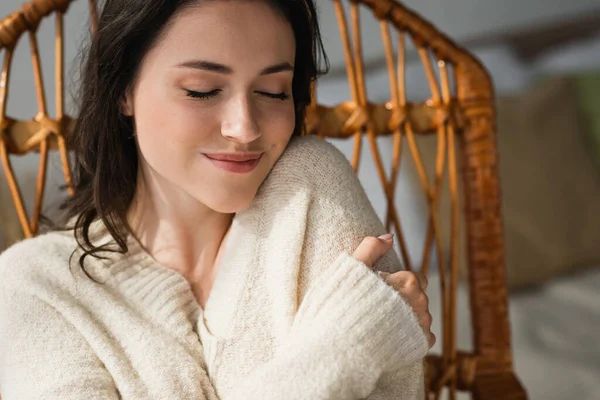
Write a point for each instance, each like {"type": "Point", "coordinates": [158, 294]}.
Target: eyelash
{"type": "Point", "coordinates": [207, 95]}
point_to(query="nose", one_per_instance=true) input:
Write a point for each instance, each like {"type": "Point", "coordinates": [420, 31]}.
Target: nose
{"type": "Point", "coordinates": [239, 123]}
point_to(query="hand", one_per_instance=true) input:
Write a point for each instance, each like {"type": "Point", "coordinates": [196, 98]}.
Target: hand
{"type": "Point", "coordinates": [410, 285]}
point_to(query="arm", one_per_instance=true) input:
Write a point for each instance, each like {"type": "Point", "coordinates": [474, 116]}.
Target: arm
{"type": "Point", "coordinates": [351, 328]}
{"type": "Point", "coordinates": [43, 357]}
{"type": "Point", "coordinates": [401, 384]}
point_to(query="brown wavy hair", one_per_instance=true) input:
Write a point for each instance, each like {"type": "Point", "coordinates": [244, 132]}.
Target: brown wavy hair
{"type": "Point", "coordinates": [106, 159]}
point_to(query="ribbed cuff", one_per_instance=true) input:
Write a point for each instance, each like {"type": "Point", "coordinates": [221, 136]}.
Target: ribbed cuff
{"type": "Point", "coordinates": [354, 307]}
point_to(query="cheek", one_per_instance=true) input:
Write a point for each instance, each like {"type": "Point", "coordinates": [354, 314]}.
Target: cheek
{"type": "Point", "coordinates": [278, 125]}
{"type": "Point", "coordinates": [168, 128]}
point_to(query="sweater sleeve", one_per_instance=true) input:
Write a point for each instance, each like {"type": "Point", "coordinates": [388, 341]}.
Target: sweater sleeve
{"type": "Point", "coordinates": [43, 357]}
{"type": "Point", "coordinates": [351, 329]}
{"type": "Point", "coordinates": [401, 384]}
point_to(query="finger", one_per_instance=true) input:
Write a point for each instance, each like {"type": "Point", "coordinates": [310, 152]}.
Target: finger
{"type": "Point", "coordinates": [421, 301]}
{"type": "Point", "coordinates": [405, 280]}
{"type": "Point", "coordinates": [372, 248]}
{"type": "Point", "coordinates": [432, 339]}
{"type": "Point", "coordinates": [425, 320]}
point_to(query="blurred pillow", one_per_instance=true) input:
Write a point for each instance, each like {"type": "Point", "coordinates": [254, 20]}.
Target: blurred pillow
{"type": "Point", "coordinates": [550, 188]}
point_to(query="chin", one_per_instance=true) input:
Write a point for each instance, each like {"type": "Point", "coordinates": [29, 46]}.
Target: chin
{"type": "Point", "coordinates": [232, 204]}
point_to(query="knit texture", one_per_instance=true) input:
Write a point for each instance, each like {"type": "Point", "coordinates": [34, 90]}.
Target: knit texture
{"type": "Point", "coordinates": [291, 315]}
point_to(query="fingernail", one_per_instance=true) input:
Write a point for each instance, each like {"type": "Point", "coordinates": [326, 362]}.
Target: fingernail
{"type": "Point", "coordinates": [387, 237]}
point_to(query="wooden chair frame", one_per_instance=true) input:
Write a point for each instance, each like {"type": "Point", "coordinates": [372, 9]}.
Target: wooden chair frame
{"type": "Point", "coordinates": [464, 123]}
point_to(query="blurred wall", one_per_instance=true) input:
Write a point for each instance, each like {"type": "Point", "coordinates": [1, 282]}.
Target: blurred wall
{"type": "Point", "coordinates": [460, 19]}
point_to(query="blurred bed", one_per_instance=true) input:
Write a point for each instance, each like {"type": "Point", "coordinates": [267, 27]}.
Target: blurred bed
{"type": "Point", "coordinates": [554, 335]}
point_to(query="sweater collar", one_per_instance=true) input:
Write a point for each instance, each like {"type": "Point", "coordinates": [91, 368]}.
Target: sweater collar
{"type": "Point", "coordinates": [161, 291]}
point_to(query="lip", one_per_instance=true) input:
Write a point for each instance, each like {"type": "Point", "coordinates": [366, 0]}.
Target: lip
{"type": "Point", "coordinates": [234, 157]}
{"type": "Point", "coordinates": [240, 163]}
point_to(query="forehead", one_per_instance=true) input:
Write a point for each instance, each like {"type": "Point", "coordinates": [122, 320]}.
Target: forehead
{"type": "Point", "coordinates": [230, 32]}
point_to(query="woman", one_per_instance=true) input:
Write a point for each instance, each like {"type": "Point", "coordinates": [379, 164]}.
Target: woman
{"type": "Point", "coordinates": [215, 240]}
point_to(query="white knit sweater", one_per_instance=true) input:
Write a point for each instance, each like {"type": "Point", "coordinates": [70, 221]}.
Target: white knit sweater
{"type": "Point", "coordinates": [291, 314]}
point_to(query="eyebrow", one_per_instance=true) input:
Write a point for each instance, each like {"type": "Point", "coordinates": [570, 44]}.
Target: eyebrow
{"type": "Point", "coordinates": [223, 69]}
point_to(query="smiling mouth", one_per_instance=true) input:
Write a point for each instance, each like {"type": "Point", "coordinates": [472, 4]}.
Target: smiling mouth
{"type": "Point", "coordinates": [236, 163]}
{"type": "Point", "coordinates": [234, 157]}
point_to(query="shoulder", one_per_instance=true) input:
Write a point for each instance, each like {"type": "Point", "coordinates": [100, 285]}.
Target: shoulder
{"type": "Point", "coordinates": [313, 163]}
{"type": "Point", "coordinates": [313, 151]}
{"type": "Point", "coordinates": [41, 260]}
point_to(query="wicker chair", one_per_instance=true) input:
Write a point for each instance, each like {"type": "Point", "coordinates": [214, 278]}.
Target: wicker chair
{"type": "Point", "coordinates": [463, 120]}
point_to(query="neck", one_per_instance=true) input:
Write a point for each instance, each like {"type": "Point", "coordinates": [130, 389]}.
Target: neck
{"type": "Point", "coordinates": [177, 231]}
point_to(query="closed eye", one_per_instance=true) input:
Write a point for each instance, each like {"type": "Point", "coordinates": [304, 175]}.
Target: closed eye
{"type": "Point", "coordinates": [278, 96]}
{"type": "Point", "coordinates": [202, 95]}
{"type": "Point", "coordinates": [207, 95]}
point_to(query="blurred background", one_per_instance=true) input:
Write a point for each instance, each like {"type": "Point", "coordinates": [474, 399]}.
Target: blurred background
{"type": "Point", "coordinates": [544, 58]}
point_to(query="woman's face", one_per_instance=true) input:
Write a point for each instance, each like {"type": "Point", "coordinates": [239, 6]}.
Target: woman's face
{"type": "Point", "coordinates": [213, 105]}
